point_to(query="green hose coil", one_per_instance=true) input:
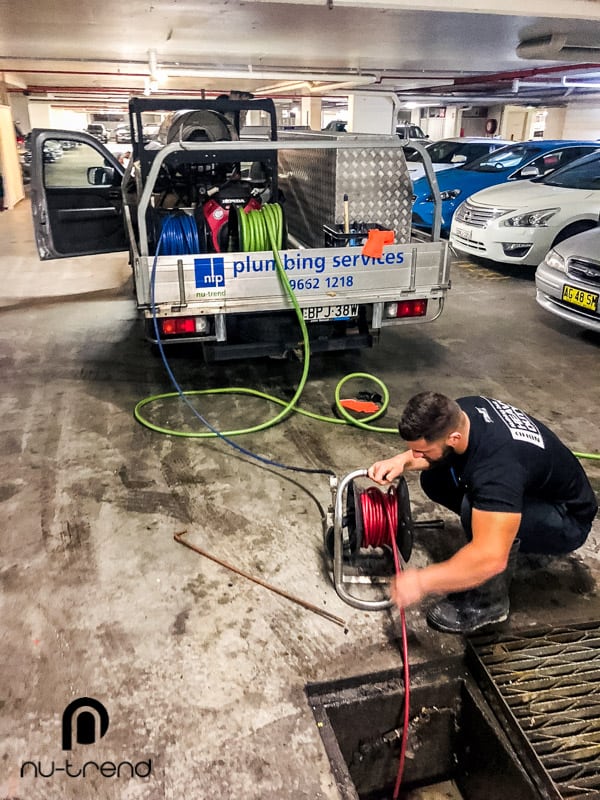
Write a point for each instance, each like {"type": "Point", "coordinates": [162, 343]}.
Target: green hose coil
{"type": "Point", "coordinates": [261, 230]}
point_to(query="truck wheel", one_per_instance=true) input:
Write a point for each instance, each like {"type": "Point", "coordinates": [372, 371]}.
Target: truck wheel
{"type": "Point", "coordinates": [571, 230]}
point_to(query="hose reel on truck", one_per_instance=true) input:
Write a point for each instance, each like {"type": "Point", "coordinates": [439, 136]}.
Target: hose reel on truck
{"type": "Point", "coordinates": [230, 301]}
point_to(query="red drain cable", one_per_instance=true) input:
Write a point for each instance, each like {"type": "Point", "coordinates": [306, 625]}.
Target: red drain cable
{"type": "Point", "coordinates": [380, 523]}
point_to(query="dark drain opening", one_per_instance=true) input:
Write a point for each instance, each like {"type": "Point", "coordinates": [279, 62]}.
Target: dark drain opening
{"type": "Point", "coordinates": [453, 736]}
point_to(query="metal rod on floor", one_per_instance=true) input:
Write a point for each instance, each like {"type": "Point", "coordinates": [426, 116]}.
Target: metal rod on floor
{"type": "Point", "coordinates": [298, 600]}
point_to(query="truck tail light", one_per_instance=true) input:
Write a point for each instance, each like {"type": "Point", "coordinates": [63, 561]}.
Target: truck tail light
{"type": "Point", "coordinates": [406, 308]}
{"type": "Point", "coordinates": [175, 326]}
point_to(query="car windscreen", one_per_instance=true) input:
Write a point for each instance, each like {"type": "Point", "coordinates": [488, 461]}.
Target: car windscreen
{"type": "Point", "coordinates": [410, 132]}
{"type": "Point", "coordinates": [411, 154]}
{"type": "Point", "coordinates": [506, 158]}
{"type": "Point", "coordinates": [439, 152]}
{"type": "Point", "coordinates": [581, 174]}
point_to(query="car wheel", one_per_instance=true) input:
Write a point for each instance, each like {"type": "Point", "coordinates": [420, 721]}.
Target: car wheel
{"type": "Point", "coordinates": [571, 230]}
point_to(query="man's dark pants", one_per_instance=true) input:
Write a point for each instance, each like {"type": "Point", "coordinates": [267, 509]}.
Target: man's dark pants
{"type": "Point", "coordinates": [545, 527]}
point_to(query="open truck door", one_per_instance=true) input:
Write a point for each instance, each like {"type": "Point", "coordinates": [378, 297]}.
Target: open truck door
{"type": "Point", "coordinates": [76, 198]}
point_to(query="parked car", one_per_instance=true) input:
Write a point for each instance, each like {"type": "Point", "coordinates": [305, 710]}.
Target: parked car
{"type": "Point", "coordinates": [407, 130]}
{"type": "Point", "coordinates": [122, 134]}
{"type": "Point", "coordinates": [336, 126]}
{"type": "Point", "coordinates": [450, 153]}
{"type": "Point", "coordinates": [20, 138]}
{"type": "Point", "coordinates": [519, 223]}
{"type": "Point", "coordinates": [514, 162]}
{"type": "Point", "coordinates": [98, 131]}
{"type": "Point", "coordinates": [55, 151]}
{"type": "Point", "coordinates": [568, 280]}
{"type": "Point", "coordinates": [150, 132]}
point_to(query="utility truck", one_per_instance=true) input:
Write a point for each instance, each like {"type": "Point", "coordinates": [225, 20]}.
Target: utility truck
{"type": "Point", "coordinates": [206, 204]}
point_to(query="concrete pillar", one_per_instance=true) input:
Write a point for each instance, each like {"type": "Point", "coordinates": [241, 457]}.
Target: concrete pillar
{"type": "Point", "coordinates": [10, 169]}
{"type": "Point", "coordinates": [256, 119]}
{"type": "Point", "coordinates": [311, 113]}
{"type": "Point", "coordinates": [40, 115]}
{"type": "Point", "coordinates": [20, 110]}
{"type": "Point", "coordinates": [555, 123]}
{"type": "Point", "coordinates": [581, 121]}
{"type": "Point", "coordinates": [372, 113]}
{"type": "Point", "coordinates": [451, 122]}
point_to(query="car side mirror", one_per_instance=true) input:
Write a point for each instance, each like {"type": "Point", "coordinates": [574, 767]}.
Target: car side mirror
{"type": "Point", "coordinates": [458, 159]}
{"type": "Point", "coordinates": [529, 172]}
{"type": "Point", "coordinates": [100, 176]}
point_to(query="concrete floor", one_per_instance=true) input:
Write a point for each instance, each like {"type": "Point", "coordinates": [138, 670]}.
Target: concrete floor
{"type": "Point", "coordinates": [200, 670]}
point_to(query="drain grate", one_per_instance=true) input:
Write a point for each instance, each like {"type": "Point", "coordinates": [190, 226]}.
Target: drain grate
{"type": "Point", "coordinates": [545, 686]}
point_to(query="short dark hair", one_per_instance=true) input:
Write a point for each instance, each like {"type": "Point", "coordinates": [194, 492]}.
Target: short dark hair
{"type": "Point", "coordinates": [428, 416]}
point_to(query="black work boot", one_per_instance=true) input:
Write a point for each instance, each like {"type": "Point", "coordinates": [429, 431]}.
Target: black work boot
{"type": "Point", "coordinates": [465, 612]}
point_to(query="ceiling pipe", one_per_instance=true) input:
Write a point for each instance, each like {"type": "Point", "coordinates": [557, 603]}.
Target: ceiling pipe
{"type": "Point", "coordinates": [500, 77]}
{"type": "Point", "coordinates": [483, 99]}
{"type": "Point", "coordinates": [352, 84]}
{"type": "Point", "coordinates": [91, 73]}
{"type": "Point", "coordinates": [580, 84]}
{"type": "Point", "coordinates": [287, 86]}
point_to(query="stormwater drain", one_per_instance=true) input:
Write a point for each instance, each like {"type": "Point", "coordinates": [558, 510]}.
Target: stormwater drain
{"type": "Point", "coordinates": [453, 737]}
{"type": "Point", "coordinates": [544, 686]}
{"type": "Point", "coordinates": [519, 718]}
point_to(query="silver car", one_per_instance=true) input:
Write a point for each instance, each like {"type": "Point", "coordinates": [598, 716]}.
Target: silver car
{"type": "Point", "coordinates": [568, 280]}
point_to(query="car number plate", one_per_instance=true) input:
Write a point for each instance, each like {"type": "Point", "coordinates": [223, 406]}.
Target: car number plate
{"type": "Point", "coordinates": [464, 233]}
{"type": "Point", "coordinates": [324, 313]}
{"type": "Point", "coordinates": [581, 298]}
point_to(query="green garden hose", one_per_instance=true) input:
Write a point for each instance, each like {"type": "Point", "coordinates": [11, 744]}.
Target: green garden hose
{"type": "Point", "coordinates": [261, 230]}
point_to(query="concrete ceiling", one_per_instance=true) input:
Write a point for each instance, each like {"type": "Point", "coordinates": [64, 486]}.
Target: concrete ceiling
{"type": "Point", "coordinates": [97, 54]}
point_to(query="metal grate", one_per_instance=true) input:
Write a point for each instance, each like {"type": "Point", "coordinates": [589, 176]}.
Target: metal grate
{"type": "Point", "coordinates": [547, 685]}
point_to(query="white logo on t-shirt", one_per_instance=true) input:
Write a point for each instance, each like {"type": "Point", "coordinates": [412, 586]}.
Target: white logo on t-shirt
{"type": "Point", "coordinates": [521, 427]}
{"type": "Point", "coordinates": [484, 414]}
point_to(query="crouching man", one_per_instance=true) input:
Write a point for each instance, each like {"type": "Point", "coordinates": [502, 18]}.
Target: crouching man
{"type": "Point", "coordinates": [514, 485]}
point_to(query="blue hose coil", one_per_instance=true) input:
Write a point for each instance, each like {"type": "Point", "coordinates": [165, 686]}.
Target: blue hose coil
{"type": "Point", "coordinates": [179, 235]}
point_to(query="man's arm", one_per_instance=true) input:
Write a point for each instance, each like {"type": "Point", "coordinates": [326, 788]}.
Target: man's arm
{"type": "Point", "coordinates": [483, 557]}
{"type": "Point", "coordinates": [389, 469]}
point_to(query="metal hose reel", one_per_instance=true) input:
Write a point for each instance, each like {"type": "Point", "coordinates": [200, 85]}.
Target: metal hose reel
{"type": "Point", "coordinates": [364, 520]}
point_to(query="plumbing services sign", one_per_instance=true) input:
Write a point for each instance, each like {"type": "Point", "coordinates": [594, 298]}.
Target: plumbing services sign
{"type": "Point", "coordinates": [310, 272]}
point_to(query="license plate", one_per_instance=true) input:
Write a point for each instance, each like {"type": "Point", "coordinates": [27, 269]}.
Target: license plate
{"type": "Point", "coordinates": [324, 313]}
{"type": "Point", "coordinates": [578, 297]}
{"type": "Point", "coordinates": [464, 233]}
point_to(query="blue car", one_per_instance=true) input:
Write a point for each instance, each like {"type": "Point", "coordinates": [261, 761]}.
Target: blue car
{"type": "Point", "coordinates": [518, 161]}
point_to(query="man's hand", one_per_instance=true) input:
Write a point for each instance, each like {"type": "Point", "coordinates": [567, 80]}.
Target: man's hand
{"type": "Point", "coordinates": [407, 588]}
{"type": "Point", "coordinates": [386, 471]}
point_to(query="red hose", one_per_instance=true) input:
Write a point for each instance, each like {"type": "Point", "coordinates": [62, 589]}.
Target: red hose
{"type": "Point", "coordinates": [380, 525]}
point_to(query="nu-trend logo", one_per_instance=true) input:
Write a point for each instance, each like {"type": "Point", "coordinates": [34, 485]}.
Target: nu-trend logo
{"type": "Point", "coordinates": [80, 712]}
{"type": "Point", "coordinates": [209, 272]}
{"type": "Point", "coordinates": [84, 721]}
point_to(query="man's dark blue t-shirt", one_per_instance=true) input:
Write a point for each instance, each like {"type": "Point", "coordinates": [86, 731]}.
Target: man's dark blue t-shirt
{"type": "Point", "coordinates": [511, 455]}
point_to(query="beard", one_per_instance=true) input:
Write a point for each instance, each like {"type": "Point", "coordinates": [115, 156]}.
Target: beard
{"type": "Point", "coordinates": [446, 455]}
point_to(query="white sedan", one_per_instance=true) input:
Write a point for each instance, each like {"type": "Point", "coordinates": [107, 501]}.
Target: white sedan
{"type": "Point", "coordinates": [518, 223]}
{"type": "Point", "coordinates": [567, 281]}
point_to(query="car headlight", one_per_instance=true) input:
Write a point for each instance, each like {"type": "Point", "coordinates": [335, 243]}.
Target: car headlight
{"type": "Point", "coordinates": [531, 219]}
{"type": "Point", "coordinates": [555, 261]}
{"type": "Point", "coordinates": [448, 194]}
